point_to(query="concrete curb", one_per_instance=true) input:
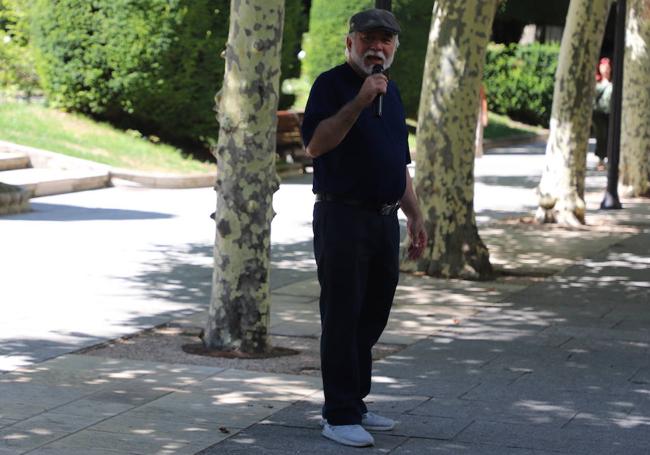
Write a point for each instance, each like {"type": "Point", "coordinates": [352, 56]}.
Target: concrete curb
{"type": "Point", "coordinates": [40, 158]}
{"type": "Point", "coordinates": [163, 180]}
{"type": "Point", "coordinates": [47, 159]}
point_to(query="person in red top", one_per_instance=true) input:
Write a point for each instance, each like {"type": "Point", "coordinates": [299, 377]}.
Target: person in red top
{"type": "Point", "coordinates": [602, 104]}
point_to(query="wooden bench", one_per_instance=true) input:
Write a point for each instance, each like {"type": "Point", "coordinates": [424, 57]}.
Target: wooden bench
{"type": "Point", "coordinates": [289, 141]}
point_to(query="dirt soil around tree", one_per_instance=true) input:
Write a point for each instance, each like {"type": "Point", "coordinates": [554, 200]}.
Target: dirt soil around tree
{"type": "Point", "coordinates": [170, 342]}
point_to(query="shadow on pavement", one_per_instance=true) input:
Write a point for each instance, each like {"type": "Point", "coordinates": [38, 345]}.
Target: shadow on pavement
{"type": "Point", "coordinates": [59, 212]}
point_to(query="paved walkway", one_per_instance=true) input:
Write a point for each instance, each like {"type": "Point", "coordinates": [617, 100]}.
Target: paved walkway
{"type": "Point", "coordinates": [522, 365]}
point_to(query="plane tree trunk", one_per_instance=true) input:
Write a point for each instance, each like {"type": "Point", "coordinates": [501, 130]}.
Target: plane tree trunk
{"type": "Point", "coordinates": [561, 189]}
{"type": "Point", "coordinates": [635, 137]}
{"type": "Point", "coordinates": [444, 176]}
{"type": "Point", "coordinates": [247, 104]}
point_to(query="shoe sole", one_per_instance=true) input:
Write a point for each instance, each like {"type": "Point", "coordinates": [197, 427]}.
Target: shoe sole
{"type": "Point", "coordinates": [346, 442]}
{"type": "Point", "coordinates": [365, 427]}
{"type": "Point", "coordinates": [369, 428]}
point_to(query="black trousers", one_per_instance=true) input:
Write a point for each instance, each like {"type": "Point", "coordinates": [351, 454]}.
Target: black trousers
{"type": "Point", "coordinates": [601, 129]}
{"type": "Point", "coordinates": [357, 254]}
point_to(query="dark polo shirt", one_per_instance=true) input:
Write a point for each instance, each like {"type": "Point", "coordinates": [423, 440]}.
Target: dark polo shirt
{"type": "Point", "coordinates": [369, 163]}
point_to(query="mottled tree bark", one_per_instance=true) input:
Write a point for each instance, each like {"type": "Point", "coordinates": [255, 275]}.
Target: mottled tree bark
{"type": "Point", "coordinates": [444, 177]}
{"type": "Point", "coordinates": [13, 199]}
{"type": "Point", "coordinates": [246, 181]}
{"type": "Point", "coordinates": [562, 187]}
{"type": "Point", "coordinates": [635, 135]}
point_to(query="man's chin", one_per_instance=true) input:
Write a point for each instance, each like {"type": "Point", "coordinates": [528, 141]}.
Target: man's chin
{"type": "Point", "coordinates": [370, 63]}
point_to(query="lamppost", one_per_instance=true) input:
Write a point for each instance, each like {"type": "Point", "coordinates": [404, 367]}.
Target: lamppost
{"type": "Point", "coordinates": [611, 201]}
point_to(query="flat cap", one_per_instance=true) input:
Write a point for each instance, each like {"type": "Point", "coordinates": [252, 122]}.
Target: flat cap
{"type": "Point", "coordinates": [374, 19]}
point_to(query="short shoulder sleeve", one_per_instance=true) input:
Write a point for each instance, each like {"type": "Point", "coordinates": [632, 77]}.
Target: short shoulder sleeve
{"type": "Point", "coordinates": [321, 104]}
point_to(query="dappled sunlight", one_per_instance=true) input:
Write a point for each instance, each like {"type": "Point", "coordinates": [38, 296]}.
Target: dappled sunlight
{"type": "Point", "coordinates": [627, 260]}
{"type": "Point", "coordinates": [8, 363]}
{"type": "Point", "coordinates": [255, 387]}
{"type": "Point", "coordinates": [15, 436]}
{"type": "Point", "coordinates": [543, 247]}
{"type": "Point", "coordinates": [298, 316]}
{"type": "Point", "coordinates": [96, 373]}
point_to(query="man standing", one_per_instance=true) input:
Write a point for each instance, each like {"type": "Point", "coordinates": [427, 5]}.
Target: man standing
{"type": "Point", "coordinates": [360, 151]}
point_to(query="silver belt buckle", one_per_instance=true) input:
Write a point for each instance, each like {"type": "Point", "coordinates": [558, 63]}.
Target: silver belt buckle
{"type": "Point", "coordinates": [389, 209]}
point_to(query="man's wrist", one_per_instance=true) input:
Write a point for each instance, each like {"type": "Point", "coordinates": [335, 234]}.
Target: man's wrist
{"type": "Point", "coordinates": [356, 105]}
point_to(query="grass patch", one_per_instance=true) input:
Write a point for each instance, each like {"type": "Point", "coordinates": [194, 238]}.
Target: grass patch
{"type": "Point", "coordinates": [502, 127]}
{"type": "Point", "coordinates": [75, 135]}
{"type": "Point", "coordinates": [499, 127]}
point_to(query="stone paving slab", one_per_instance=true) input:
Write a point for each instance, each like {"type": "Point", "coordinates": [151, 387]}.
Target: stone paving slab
{"type": "Point", "coordinates": [244, 386]}
{"type": "Point", "coordinates": [60, 450]}
{"type": "Point", "coordinates": [419, 446]}
{"type": "Point", "coordinates": [138, 407]}
{"type": "Point", "coordinates": [529, 376]}
{"type": "Point", "coordinates": [95, 373]}
{"type": "Point", "coordinates": [134, 443]}
{"type": "Point", "coordinates": [542, 437]}
{"type": "Point", "coordinates": [434, 427]}
{"type": "Point", "coordinates": [307, 413]}
{"type": "Point", "coordinates": [40, 430]}
{"type": "Point", "coordinates": [275, 439]}
{"type": "Point", "coordinates": [506, 411]}
{"type": "Point", "coordinates": [540, 249]}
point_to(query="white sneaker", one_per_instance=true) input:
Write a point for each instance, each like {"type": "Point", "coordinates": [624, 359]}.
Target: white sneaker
{"type": "Point", "coordinates": [374, 422]}
{"type": "Point", "coordinates": [349, 435]}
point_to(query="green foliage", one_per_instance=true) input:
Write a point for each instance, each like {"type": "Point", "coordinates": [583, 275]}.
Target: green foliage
{"type": "Point", "coordinates": [328, 26]}
{"type": "Point", "coordinates": [548, 12]}
{"type": "Point", "coordinates": [17, 70]}
{"type": "Point", "coordinates": [150, 65]}
{"type": "Point", "coordinates": [407, 71]}
{"type": "Point", "coordinates": [324, 44]}
{"type": "Point", "coordinates": [519, 81]}
{"type": "Point", "coordinates": [295, 24]}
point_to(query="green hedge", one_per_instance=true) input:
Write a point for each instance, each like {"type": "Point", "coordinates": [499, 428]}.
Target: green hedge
{"type": "Point", "coordinates": [519, 81]}
{"type": "Point", "coordinates": [295, 24]}
{"type": "Point", "coordinates": [17, 69]}
{"type": "Point", "coordinates": [151, 65]}
{"type": "Point", "coordinates": [324, 44]}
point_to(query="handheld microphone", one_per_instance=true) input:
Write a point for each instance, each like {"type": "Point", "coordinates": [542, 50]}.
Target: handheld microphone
{"type": "Point", "coordinates": [378, 104]}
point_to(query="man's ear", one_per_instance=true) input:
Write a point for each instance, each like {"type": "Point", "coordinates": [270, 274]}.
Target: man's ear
{"type": "Point", "coordinates": [348, 43]}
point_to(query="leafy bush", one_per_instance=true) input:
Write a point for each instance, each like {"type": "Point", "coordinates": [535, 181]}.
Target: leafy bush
{"type": "Point", "coordinates": [150, 65]}
{"type": "Point", "coordinates": [17, 70]}
{"type": "Point", "coordinates": [295, 24]}
{"type": "Point", "coordinates": [519, 81]}
{"type": "Point", "coordinates": [325, 42]}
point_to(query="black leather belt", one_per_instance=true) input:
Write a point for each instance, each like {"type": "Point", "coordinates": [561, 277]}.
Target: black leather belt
{"type": "Point", "coordinates": [381, 208]}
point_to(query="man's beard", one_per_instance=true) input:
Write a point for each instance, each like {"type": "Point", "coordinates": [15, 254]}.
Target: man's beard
{"type": "Point", "coordinates": [360, 60]}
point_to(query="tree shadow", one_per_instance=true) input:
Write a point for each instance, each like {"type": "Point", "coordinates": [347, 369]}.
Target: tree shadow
{"type": "Point", "coordinates": [569, 354]}
{"type": "Point", "coordinates": [42, 211]}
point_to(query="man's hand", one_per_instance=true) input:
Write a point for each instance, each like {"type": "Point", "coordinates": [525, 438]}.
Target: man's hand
{"type": "Point", "coordinates": [417, 236]}
{"type": "Point", "coordinates": [373, 85]}
{"type": "Point", "coordinates": [331, 131]}
{"type": "Point", "coordinates": [414, 221]}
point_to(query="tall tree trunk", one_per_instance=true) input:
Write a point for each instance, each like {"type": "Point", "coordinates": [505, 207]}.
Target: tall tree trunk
{"type": "Point", "coordinates": [444, 177]}
{"type": "Point", "coordinates": [13, 199]}
{"type": "Point", "coordinates": [562, 187]}
{"type": "Point", "coordinates": [246, 181]}
{"type": "Point", "coordinates": [635, 137]}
